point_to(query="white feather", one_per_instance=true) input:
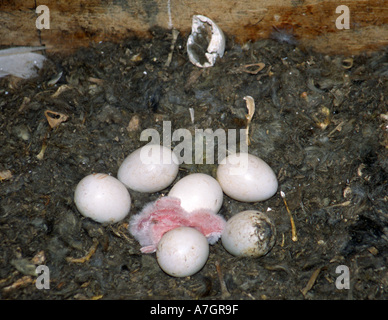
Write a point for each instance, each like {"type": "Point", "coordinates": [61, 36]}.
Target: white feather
{"type": "Point", "coordinates": [21, 62]}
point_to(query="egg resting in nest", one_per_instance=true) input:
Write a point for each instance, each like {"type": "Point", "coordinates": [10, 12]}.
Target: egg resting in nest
{"type": "Point", "coordinates": [165, 214]}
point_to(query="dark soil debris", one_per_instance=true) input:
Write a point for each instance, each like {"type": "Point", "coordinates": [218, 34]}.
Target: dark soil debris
{"type": "Point", "coordinates": [321, 123]}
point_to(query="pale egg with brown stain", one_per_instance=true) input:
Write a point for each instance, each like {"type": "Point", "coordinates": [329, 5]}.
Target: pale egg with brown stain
{"type": "Point", "coordinates": [249, 234]}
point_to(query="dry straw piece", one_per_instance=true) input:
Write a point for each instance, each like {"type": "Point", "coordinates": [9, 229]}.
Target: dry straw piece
{"type": "Point", "coordinates": [293, 227]}
{"type": "Point", "coordinates": [251, 111]}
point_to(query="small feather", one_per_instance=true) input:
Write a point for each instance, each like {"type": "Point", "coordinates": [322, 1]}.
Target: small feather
{"type": "Point", "coordinates": [21, 62]}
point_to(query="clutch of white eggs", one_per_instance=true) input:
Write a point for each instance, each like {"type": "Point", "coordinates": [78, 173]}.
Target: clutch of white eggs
{"type": "Point", "coordinates": [181, 226]}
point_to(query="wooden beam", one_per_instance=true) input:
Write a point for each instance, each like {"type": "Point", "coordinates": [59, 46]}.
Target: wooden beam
{"type": "Point", "coordinates": [75, 23]}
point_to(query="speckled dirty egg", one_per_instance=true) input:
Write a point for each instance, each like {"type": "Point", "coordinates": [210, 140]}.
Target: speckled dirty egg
{"type": "Point", "coordinates": [149, 169]}
{"type": "Point", "coordinates": [102, 198]}
{"type": "Point", "coordinates": [249, 234]}
{"type": "Point", "coordinates": [182, 252]}
{"type": "Point", "coordinates": [198, 191]}
{"type": "Point", "coordinates": [245, 177]}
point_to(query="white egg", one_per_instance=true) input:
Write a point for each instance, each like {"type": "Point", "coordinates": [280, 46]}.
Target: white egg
{"type": "Point", "coordinates": [198, 191]}
{"type": "Point", "coordinates": [249, 234]}
{"type": "Point", "coordinates": [150, 169]}
{"type": "Point", "coordinates": [102, 198]}
{"type": "Point", "coordinates": [182, 252]}
{"type": "Point", "coordinates": [245, 177]}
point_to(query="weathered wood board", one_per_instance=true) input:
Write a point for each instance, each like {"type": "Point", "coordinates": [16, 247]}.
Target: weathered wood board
{"type": "Point", "coordinates": [77, 23]}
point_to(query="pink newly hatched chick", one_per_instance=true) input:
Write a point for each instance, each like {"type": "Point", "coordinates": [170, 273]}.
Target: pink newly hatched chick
{"type": "Point", "coordinates": [166, 214]}
{"type": "Point", "coordinates": [210, 224]}
{"type": "Point", "coordinates": [155, 220]}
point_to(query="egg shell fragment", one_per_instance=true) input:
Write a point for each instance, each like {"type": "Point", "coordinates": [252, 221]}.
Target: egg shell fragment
{"type": "Point", "coordinates": [205, 32]}
{"type": "Point", "coordinates": [148, 169]}
{"type": "Point", "coordinates": [102, 198]}
{"type": "Point", "coordinates": [245, 177]}
{"type": "Point", "coordinates": [249, 234]}
{"type": "Point", "coordinates": [198, 191]}
{"type": "Point", "coordinates": [182, 252]}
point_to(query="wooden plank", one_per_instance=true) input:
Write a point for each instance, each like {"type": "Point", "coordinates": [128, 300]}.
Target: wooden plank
{"type": "Point", "coordinates": [14, 23]}
{"type": "Point", "coordinates": [78, 23]}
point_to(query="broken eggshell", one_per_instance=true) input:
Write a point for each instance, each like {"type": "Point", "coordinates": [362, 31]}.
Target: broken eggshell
{"type": "Point", "coordinates": [205, 43]}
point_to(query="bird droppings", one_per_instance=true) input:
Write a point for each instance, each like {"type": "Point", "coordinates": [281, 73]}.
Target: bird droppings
{"type": "Point", "coordinates": [320, 123]}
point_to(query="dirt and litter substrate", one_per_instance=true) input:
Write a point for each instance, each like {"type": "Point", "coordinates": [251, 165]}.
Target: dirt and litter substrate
{"type": "Point", "coordinates": [320, 123]}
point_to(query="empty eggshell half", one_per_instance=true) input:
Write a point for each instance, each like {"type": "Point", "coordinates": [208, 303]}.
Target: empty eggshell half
{"type": "Point", "coordinates": [149, 169]}
{"type": "Point", "coordinates": [205, 43]}
{"type": "Point", "coordinates": [102, 198]}
{"type": "Point", "coordinates": [198, 191]}
{"type": "Point", "coordinates": [249, 234]}
{"type": "Point", "coordinates": [245, 177]}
